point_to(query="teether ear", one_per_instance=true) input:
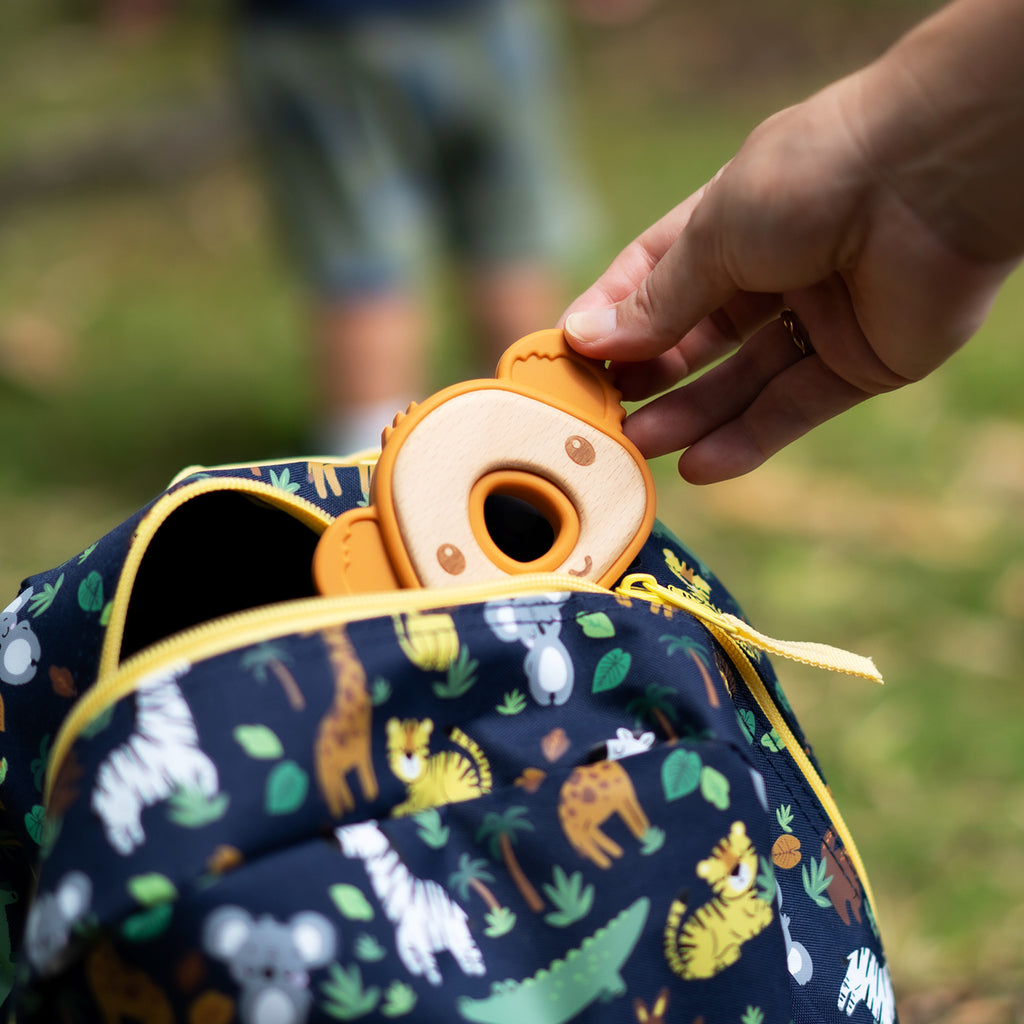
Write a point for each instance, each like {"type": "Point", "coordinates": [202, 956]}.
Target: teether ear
{"type": "Point", "coordinates": [543, 363]}
{"type": "Point", "coordinates": [351, 558]}
{"type": "Point", "coordinates": [526, 473]}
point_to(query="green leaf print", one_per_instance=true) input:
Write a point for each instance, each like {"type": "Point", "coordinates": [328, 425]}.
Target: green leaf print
{"type": "Point", "coordinates": [258, 741]}
{"type": "Point", "coordinates": [151, 889]}
{"type": "Point", "coordinates": [40, 602]}
{"type": "Point", "coordinates": [815, 882]}
{"type": "Point", "coordinates": [346, 997]}
{"type": "Point", "coordinates": [572, 899]}
{"type": "Point", "coordinates": [513, 703]}
{"type": "Point", "coordinates": [772, 741]}
{"type": "Point", "coordinates": [368, 949]}
{"type": "Point", "coordinates": [680, 773]}
{"type": "Point", "coordinates": [784, 816]}
{"type": "Point", "coordinates": [652, 840]}
{"type": "Point", "coordinates": [351, 902]}
{"type": "Point", "coordinates": [430, 828]}
{"type": "Point", "coordinates": [192, 808]}
{"type": "Point", "coordinates": [287, 786]}
{"type": "Point", "coordinates": [147, 924]}
{"type": "Point", "coordinates": [399, 999]}
{"type": "Point", "coordinates": [85, 554]}
{"type": "Point", "coordinates": [596, 625]}
{"type": "Point", "coordinates": [461, 676]}
{"type": "Point", "coordinates": [283, 481]}
{"type": "Point", "coordinates": [90, 593]}
{"type": "Point", "coordinates": [35, 822]}
{"type": "Point", "coordinates": [611, 670]}
{"type": "Point", "coordinates": [380, 691]}
{"type": "Point", "coordinates": [766, 880]}
{"type": "Point", "coordinates": [499, 921]}
{"type": "Point", "coordinates": [714, 787]}
{"type": "Point", "coordinates": [747, 723]}
{"type": "Point", "coordinates": [753, 1015]}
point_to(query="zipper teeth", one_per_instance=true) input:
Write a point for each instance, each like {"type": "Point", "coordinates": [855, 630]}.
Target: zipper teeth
{"type": "Point", "coordinates": [159, 514]}
{"type": "Point", "coordinates": [270, 621]}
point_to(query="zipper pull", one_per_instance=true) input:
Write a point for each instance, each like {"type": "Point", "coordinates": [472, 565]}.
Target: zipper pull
{"type": "Point", "coordinates": [644, 587]}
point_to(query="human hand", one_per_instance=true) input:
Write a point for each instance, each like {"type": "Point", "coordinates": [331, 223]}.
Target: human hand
{"type": "Point", "coordinates": [819, 212]}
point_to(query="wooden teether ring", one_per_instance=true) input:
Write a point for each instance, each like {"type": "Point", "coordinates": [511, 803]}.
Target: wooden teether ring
{"type": "Point", "coordinates": [482, 440]}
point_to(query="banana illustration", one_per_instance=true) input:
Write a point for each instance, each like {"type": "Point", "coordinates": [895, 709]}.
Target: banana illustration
{"type": "Point", "coordinates": [428, 639]}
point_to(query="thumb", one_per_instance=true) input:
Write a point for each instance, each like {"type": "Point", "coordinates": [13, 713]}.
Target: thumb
{"type": "Point", "coordinates": [683, 283]}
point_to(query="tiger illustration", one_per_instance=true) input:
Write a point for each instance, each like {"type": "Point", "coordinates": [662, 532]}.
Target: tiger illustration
{"type": "Point", "coordinates": [432, 780]}
{"type": "Point", "coordinates": [161, 756]}
{"type": "Point", "coordinates": [709, 940]}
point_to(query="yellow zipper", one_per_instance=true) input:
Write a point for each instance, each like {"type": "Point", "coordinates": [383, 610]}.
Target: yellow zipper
{"type": "Point", "coordinates": [832, 659]}
{"type": "Point", "coordinates": [729, 631]}
{"type": "Point", "coordinates": [255, 625]}
{"type": "Point", "coordinates": [305, 511]}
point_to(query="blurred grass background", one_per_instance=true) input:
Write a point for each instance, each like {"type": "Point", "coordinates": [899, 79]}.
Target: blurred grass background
{"type": "Point", "coordinates": [147, 322]}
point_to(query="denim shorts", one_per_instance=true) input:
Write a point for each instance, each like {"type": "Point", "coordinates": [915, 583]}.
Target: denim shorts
{"type": "Point", "coordinates": [388, 140]}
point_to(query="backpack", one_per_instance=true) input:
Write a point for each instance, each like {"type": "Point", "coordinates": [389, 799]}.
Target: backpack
{"type": "Point", "coordinates": [229, 797]}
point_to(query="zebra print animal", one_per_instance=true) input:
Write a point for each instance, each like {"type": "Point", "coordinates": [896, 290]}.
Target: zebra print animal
{"type": "Point", "coordinates": [161, 756]}
{"type": "Point", "coordinates": [427, 920]}
{"type": "Point", "coordinates": [867, 980]}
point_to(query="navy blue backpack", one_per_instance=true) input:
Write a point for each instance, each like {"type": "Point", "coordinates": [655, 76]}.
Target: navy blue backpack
{"type": "Point", "coordinates": [228, 796]}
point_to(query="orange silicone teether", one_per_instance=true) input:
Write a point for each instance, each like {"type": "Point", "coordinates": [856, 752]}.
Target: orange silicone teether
{"type": "Point", "coordinates": [528, 471]}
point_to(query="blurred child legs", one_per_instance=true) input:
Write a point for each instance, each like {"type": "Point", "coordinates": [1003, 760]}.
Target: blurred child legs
{"type": "Point", "coordinates": [397, 138]}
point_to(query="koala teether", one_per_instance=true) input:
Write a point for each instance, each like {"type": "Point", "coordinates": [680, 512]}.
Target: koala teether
{"type": "Point", "coordinates": [528, 471]}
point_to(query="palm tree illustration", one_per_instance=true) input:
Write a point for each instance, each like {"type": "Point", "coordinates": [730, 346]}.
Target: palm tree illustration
{"type": "Point", "coordinates": [499, 831]}
{"type": "Point", "coordinates": [699, 657]}
{"type": "Point", "coordinates": [272, 658]}
{"type": "Point", "coordinates": [472, 874]}
{"type": "Point", "coordinates": [656, 706]}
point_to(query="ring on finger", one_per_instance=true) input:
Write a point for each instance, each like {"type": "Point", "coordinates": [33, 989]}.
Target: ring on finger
{"type": "Point", "coordinates": [797, 332]}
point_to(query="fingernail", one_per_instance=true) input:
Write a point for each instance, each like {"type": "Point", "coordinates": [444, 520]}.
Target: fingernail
{"type": "Point", "coordinates": [592, 324]}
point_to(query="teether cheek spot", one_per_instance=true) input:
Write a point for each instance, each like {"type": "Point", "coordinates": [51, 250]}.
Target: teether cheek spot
{"type": "Point", "coordinates": [451, 560]}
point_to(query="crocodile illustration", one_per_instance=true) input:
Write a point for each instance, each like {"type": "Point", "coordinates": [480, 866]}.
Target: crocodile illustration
{"type": "Point", "coordinates": [558, 993]}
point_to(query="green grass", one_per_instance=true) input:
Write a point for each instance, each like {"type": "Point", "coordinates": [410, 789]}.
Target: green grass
{"type": "Point", "coordinates": [894, 531]}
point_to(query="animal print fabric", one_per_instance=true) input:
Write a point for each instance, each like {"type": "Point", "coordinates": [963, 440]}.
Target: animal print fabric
{"type": "Point", "coordinates": [560, 807]}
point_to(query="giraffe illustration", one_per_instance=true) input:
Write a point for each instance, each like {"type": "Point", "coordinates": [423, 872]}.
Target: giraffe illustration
{"type": "Point", "coordinates": [588, 798]}
{"type": "Point", "coordinates": [125, 993]}
{"type": "Point", "coordinates": [343, 737]}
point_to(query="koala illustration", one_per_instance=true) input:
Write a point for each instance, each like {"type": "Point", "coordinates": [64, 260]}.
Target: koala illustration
{"type": "Point", "coordinates": [19, 647]}
{"type": "Point", "coordinates": [269, 960]}
{"type": "Point", "coordinates": [537, 625]}
{"type": "Point", "coordinates": [49, 943]}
